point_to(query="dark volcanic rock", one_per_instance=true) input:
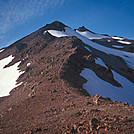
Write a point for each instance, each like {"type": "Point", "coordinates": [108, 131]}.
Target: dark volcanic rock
{"type": "Point", "coordinates": [21, 46]}
{"type": "Point", "coordinates": [55, 26]}
{"type": "Point", "coordinates": [93, 124]}
{"type": "Point", "coordinates": [83, 29]}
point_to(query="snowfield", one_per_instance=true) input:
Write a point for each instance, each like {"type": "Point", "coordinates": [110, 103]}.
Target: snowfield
{"type": "Point", "coordinates": [57, 33]}
{"type": "Point", "coordinates": [8, 76]}
{"type": "Point", "coordinates": [95, 85]}
{"type": "Point", "coordinates": [90, 35]}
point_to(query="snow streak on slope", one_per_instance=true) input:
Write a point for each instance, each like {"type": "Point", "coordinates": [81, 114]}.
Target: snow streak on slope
{"type": "Point", "coordinates": [88, 49]}
{"type": "Point", "coordinates": [127, 56]}
{"type": "Point", "coordinates": [117, 38]}
{"type": "Point", "coordinates": [8, 76]}
{"type": "Point", "coordinates": [95, 85]}
{"type": "Point", "coordinates": [117, 46]}
{"type": "Point", "coordinates": [100, 62]}
{"type": "Point", "coordinates": [124, 42]}
{"type": "Point", "coordinates": [90, 35]}
{"type": "Point", "coordinates": [1, 50]}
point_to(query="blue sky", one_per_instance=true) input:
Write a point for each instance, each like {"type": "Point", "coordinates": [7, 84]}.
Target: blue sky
{"type": "Point", "coordinates": [19, 18]}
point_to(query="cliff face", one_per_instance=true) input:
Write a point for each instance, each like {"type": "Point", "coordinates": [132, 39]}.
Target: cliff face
{"type": "Point", "coordinates": [51, 97]}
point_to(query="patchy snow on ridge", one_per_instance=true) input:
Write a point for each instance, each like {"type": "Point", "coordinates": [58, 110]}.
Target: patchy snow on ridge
{"type": "Point", "coordinates": [117, 38]}
{"type": "Point", "coordinates": [95, 85]}
{"type": "Point", "coordinates": [68, 32]}
{"type": "Point", "coordinates": [8, 76]}
{"type": "Point", "coordinates": [107, 50]}
{"type": "Point", "coordinates": [117, 46]}
{"type": "Point", "coordinates": [90, 35]}
{"type": "Point", "coordinates": [100, 62]}
{"type": "Point", "coordinates": [124, 42]}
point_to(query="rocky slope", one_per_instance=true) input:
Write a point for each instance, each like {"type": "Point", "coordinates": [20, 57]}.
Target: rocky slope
{"type": "Point", "coordinates": [51, 98]}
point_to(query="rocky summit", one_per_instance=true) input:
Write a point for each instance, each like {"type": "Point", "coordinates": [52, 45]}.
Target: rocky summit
{"type": "Point", "coordinates": [65, 81]}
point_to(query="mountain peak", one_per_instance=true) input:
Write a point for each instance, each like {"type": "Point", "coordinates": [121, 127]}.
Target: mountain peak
{"type": "Point", "coordinates": [56, 25]}
{"type": "Point", "coordinates": [50, 80]}
{"type": "Point", "coordinates": [83, 29]}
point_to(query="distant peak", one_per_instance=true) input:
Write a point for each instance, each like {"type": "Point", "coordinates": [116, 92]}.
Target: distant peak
{"type": "Point", "coordinates": [56, 25]}
{"type": "Point", "coordinates": [83, 29]}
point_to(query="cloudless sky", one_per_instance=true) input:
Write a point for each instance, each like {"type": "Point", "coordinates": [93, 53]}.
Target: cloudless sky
{"type": "Point", "coordinates": [19, 18]}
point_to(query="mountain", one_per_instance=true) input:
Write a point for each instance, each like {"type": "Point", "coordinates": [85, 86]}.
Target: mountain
{"type": "Point", "coordinates": [50, 80]}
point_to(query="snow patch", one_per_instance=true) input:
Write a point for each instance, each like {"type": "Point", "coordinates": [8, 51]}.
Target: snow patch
{"type": "Point", "coordinates": [57, 33]}
{"type": "Point", "coordinates": [109, 40]}
{"type": "Point", "coordinates": [90, 35]}
{"type": "Point", "coordinates": [117, 46]}
{"type": "Point", "coordinates": [100, 62]}
{"type": "Point", "coordinates": [117, 38]}
{"type": "Point", "coordinates": [124, 42]}
{"type": "Point", "coordinates": [2, 50]}
{"type": "Point", "coordinates": [95, 85]}
{"type": "Point", "coordinates": [8, 76]}
{"type": "Point", "coordinates": [28, 64]}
